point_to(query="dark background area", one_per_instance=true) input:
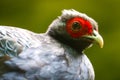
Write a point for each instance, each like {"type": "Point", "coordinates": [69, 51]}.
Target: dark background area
{"type": "Point", "coordinates": [36, 15]}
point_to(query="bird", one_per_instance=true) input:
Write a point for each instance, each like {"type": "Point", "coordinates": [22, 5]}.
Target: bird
{"type": "Point", "coordinates": [57, 54]}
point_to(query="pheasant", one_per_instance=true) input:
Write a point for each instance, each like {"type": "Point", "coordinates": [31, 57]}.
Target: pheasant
{"type": "Point", "coordinates": [57, 54]}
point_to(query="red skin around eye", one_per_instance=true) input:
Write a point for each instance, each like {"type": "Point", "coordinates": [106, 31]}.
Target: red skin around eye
{"type": "Point", "coordinates": [86, 27]}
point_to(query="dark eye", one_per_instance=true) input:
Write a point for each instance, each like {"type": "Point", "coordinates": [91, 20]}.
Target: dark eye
{"type": "Point", "coordinates": [76, 26]}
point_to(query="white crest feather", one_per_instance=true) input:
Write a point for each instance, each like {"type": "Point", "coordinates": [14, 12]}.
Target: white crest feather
{"type": "Point", "coordinates": [67, 14]}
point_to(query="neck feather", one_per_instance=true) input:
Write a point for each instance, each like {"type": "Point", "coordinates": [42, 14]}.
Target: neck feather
{"type": "Point", "coordinates": [78, 45]}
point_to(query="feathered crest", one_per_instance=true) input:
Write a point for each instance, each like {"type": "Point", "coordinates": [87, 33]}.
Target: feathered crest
{"type": "Point", "coordinates": [67, 14]}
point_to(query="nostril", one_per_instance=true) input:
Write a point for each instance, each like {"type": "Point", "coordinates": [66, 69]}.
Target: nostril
{"type": "Point", "coordinates": [94, 34]}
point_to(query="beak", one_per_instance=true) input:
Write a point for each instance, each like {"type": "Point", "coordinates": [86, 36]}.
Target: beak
{"type": "Point", "coordinates": [96, 37]}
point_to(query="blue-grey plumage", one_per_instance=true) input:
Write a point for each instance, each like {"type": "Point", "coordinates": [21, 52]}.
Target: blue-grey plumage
{"type": "Point", "coordinates": [13, 40]}
{"type": "Point", "coordinates": [52, 62]}
{"type": "Point", "coordinates": [57, 54]}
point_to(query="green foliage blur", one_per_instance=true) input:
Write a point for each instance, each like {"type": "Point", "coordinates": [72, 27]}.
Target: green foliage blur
{"type": "Point", "coordinates": [36, 15]}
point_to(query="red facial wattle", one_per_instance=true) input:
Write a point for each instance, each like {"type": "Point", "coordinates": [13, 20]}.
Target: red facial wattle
{"type": "Point", "coordinates": [84, 27]}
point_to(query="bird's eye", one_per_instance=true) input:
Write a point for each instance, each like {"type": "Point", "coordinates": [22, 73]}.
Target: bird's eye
{"type": "Point", "coordinates": [76, 26]}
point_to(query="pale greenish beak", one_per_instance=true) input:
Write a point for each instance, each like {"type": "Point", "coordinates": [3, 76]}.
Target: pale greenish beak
{"type": "Point", "coordinates": [96, 37]}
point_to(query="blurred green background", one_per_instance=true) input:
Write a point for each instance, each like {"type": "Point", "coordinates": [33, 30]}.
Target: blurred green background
{"type": "Point", "coordinates": [36, 15]}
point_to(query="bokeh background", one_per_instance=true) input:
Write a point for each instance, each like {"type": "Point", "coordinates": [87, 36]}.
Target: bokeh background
{"type": "Point", "coordinates": [36, 15]}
